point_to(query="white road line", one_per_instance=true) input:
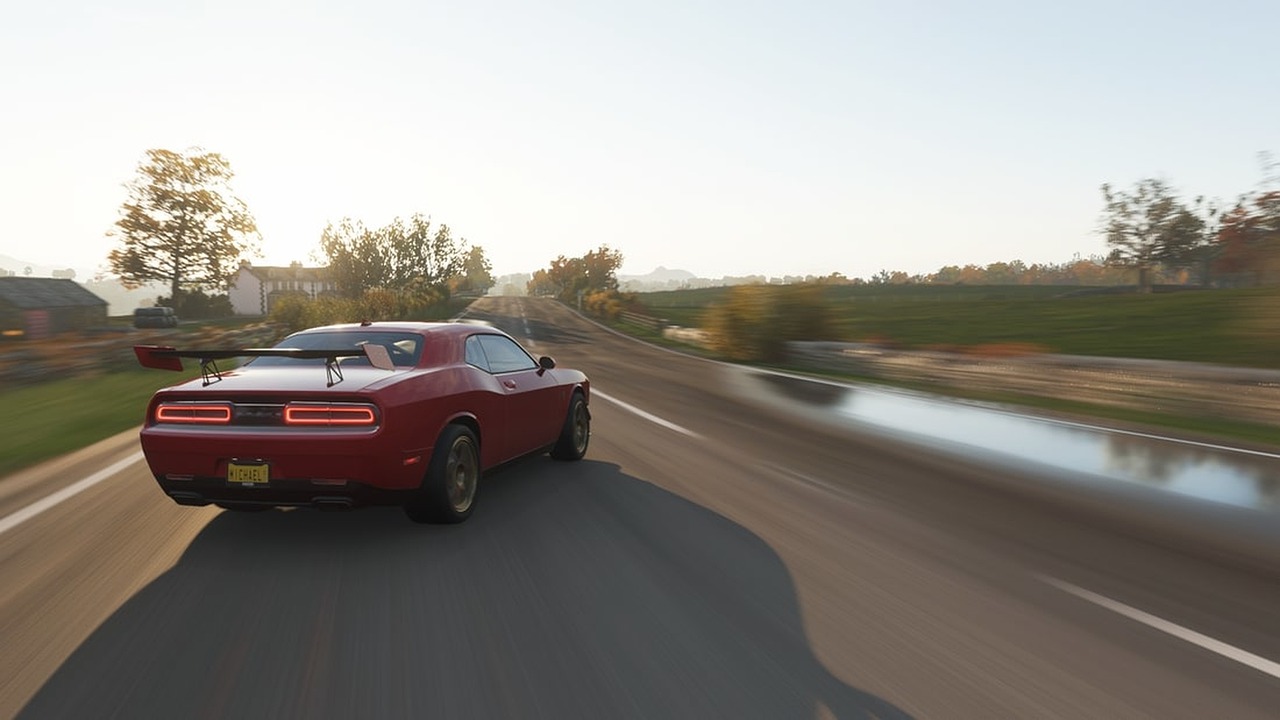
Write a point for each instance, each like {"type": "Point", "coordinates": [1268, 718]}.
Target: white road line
{"type": "Point", "coordinates": [647, 416]}
{"type": "Point", "coordinates": [1243, 657]}
{"type": "Point", "coordinates": [1165, 438]}
{"type": "Point", "coordinates": [11, 521]}
{"type": "Point", "coordinates": [1028, 414]}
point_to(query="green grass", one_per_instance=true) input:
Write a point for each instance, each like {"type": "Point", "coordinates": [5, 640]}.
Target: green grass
{"type": "Point", "coordinates": [51, 418]}
{"type": "Point", "coordinates": [1231, 327]}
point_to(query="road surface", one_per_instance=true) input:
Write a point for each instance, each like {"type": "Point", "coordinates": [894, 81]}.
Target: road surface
{"type": "Point", "coordinates": [710, 557]}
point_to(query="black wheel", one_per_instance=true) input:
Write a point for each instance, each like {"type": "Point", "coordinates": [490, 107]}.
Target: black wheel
{"type": "Point", "coordinates": [448, 491]}
{"type": "Point", "coordinates": [576, 433]}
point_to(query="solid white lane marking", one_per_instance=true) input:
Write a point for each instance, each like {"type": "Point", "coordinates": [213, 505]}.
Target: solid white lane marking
{"type": "Point", "coordinates": [1025, 413]}
{"type": "Point", "coordinates": [1232, 652]}
{"type": "Point", "coordinates": [647, 416]}
{"type": "Point", "coordinates": [11, 521]}
{"type": "Point", "coordinates": [1164, 438]}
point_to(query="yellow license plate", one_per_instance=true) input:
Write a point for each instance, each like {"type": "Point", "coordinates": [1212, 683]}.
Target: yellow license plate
{"type": "Point", "coordinates": [248, 473]}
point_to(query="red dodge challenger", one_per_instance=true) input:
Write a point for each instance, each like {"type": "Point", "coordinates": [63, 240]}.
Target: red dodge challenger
{"type": "Point", "coordinates": [408, 414]}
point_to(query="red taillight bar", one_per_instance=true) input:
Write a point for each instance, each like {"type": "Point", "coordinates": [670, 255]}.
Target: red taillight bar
{"type": "Point", "coordinates": [320, 414]}
{"type": "Point", "coordinates": [193, 413]}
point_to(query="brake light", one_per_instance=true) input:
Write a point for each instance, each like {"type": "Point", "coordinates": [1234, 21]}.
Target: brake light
{"type": "Point", "coordinates": [193, 413]}
{"type": "Point", "coordinates": [329, 414]}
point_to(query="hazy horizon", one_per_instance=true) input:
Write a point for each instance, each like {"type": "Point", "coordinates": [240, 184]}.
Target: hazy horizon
{"type": "Point", "coordinates": [723, 139]}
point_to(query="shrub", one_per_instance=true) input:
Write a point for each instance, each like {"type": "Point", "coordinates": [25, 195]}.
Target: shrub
{"type": "Point", "coordinates": [195, 305]}
{"type": "Point", "coordinates": [755, 322]}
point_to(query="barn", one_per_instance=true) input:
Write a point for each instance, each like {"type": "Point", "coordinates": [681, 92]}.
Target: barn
{"type": "Point", "coordinates": [36, 308]}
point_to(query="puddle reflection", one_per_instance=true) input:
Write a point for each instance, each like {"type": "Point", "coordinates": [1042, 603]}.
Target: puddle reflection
{"type": "Point", "coordinates": [1216, 474]}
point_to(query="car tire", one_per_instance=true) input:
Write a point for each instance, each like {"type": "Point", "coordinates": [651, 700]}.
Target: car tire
{"type": "Point", "coordinates": [576, 433]}
{"type": "Point", "coordinates": [448, 492]}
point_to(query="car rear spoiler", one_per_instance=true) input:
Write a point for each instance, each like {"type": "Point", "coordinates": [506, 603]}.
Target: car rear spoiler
{"type": "Point", "coordinates": [163, 357]}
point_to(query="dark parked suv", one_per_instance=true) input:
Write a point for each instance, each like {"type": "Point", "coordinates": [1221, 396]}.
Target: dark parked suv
{"type": "Point", "coordinates": [154, 317]}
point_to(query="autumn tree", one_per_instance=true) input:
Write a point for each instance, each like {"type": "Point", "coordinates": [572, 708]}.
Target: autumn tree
{"type": "Point", "coordinates": [755, 322]}
{"type": "Point", "coordinates": [601, 267]}
{"type": "Point", "coordinates": [567, 277]}
{"type": "Point", "coordinates": [540, 284]}
{"type": "Point", "coordinates": [477, 273]}
{"type": "Point", "coordinates": [1249, 239]}
{"type": "Point", "coordinates": [181, 224]}
{"type": "Point", "coordinates": [1147, 226]}
{"type": "Point", "coordinates": [404, 256]}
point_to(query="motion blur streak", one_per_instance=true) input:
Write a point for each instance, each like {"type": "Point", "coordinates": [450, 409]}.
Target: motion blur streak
{"type": "Point", "coordinates": [778, 567]}
{"type": "Point", "coordinates": [647, 416]}
{"type": "Point", "coordinates": [1228, 651]}
{"type": "Point", "coordinates": [10, 522]}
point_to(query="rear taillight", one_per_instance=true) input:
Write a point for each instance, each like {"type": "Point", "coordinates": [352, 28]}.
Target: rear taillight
{"type": "Point", "coordinates": [194, 413]}
{"type": "Point", "coordinates": [331, 414]}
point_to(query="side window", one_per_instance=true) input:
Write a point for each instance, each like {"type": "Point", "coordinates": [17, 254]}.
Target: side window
{"type": "Point", "coordinates": [475, 354]}
{"type": "Point", "coordinates": [504, 355]}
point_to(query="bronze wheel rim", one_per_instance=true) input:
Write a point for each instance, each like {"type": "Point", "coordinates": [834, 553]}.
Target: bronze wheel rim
{"type": "Point", "coordinates": [581, 428]}
{"type": "Point", "coordinates": [462, 472]}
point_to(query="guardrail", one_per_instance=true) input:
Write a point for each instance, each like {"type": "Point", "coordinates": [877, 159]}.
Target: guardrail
{"type": "Point", "coordinates": [645, 321]}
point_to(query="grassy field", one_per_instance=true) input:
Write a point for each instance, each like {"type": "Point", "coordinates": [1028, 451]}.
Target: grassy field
{"type": "Point", "coordinates": [1234, 327]}
{"type": "Point", "coordinates": [49, 419]}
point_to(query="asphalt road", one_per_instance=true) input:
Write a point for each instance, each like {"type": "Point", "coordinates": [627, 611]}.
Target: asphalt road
{"type": "Point", "coordinates": [712, 557]}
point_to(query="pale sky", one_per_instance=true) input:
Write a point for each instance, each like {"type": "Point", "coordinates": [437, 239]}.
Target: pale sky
{"type": "Point", "coordinates": [723, 138]}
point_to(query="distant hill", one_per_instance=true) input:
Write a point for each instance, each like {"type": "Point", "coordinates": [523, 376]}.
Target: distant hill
{"type": "Point", "coordinates": [121, 301]}
{"type": "Point", "coordinates": [660, 279]}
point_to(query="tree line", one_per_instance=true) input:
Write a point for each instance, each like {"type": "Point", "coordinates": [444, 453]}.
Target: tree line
{"type": "Point", "coordinates": [182, 225]}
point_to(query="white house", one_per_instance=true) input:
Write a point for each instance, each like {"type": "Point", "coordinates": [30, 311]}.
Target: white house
{"type": "Point", "coordinates": [255, 290]}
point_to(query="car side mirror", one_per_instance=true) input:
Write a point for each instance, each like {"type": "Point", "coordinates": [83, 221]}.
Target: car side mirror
{"type": "Point", "coordinates": [546, 363]}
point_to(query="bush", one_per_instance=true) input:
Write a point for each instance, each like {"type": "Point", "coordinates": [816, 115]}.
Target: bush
{"type": "Point", "coordinates": [606, 304]}
{"type": "Point", "coordinates": [195, 305]}
{"type": "Point", "coordinates": [298, 312]}
{"type": "Point", "coordinates": [755, 322]}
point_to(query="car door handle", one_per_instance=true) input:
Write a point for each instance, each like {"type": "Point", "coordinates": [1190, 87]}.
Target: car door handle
{"type": "Point", "coordinates": [509, 384]}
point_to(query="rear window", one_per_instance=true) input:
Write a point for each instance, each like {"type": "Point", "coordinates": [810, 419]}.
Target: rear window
{"type": "Point", "coordinates": [404, 348]}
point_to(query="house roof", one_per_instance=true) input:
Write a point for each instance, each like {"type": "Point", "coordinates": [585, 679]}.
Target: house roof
{"type": "Point", "coordinates": [267, 272]}
{"type": "Point", "coordinates": [35, 293]}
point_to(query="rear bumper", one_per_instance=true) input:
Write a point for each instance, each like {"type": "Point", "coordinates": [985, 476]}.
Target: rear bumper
{"type": "Point", "coordinates": [290, 493]}
{"type": "Point", "coordinates": [301, 466]}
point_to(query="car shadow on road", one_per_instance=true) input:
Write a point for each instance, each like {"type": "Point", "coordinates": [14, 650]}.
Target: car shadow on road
{"type": "Point", "coordinates": [574, 591]}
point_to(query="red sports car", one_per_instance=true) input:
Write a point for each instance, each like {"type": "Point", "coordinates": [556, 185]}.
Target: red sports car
{"type": "Point", "coordinates": [408, 414]}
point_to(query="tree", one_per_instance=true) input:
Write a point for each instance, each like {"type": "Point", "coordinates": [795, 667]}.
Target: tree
{"type": "Point", "coordinates": [1249, 239]}
{"type": "Point", "coordinates": [567, 277]}
{"type": "Point", "coordinates": [1148, 226]}
{"type": "Point", "coordinates": [477, 273]}
{"type": "Point", "coordinates": [601, 267]}
{"type": "Point", "coordinates": [403, 256]}
{"type": "Point", "coordinates": [540, 284]}
{"type": "Point", "coordinates": [181, 224]}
